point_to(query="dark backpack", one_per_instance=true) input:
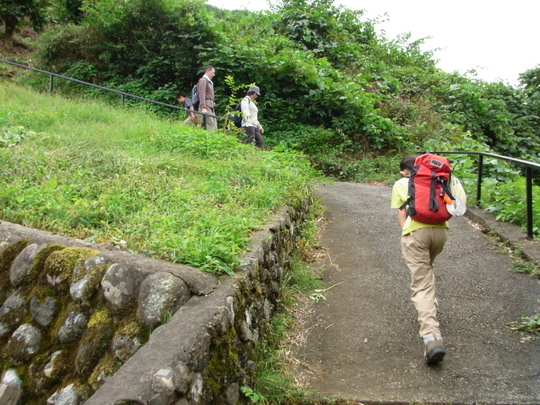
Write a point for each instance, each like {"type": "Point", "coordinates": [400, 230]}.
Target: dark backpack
{"type": "Point", "coordinates": [236, 118]}
{"type": "Point", "coordinates": [428, 189]}
{"type": "Point", "coordinates": [195, 96]}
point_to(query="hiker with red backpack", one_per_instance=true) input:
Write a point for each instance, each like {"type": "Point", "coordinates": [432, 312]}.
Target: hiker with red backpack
{"type": "Point", "coordinates": [421, 198]}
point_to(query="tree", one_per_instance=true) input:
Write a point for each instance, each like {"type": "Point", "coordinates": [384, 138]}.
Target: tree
{"type": "Point", "coordinates": [13, 12]}
{"type": "Point", "coordinates": [145, 47]}
{"type": "Point", "coordinates": [530, 80]}
{"type": "Point", "coordinates": [66, 11]}
{"type": "Point", "coordinates": [329, 31]}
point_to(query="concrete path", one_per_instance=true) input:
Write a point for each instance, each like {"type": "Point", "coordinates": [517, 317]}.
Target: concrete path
{"type": "Point", "coordinates": [363, 344]}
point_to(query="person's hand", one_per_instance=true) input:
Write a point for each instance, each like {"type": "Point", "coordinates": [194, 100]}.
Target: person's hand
{"type": "Point", "coordinates": [204, 110]}
{"type": "Point", "coordinates": [262, 130]}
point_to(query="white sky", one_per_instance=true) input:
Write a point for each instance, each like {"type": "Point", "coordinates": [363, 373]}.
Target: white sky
{"type": "Point", "coordinates": [497, 39]}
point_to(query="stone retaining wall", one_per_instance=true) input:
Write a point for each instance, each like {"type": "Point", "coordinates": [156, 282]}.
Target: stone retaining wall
{"type": "Point", "coordinates": [80, 324]}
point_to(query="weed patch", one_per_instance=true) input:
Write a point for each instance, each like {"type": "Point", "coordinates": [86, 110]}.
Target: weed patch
{"type": "Point", "coordinates": [528, 327]}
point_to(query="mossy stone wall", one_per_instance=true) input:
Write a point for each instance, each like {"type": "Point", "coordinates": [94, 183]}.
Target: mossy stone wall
{"type": "Point", "coordinates": [85, 325]}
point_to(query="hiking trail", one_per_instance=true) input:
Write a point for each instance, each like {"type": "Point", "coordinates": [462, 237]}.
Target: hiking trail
{"type": "Point", "coordinates": [363, 344]}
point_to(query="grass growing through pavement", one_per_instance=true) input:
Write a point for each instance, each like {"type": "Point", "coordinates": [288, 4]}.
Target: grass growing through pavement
{"type": "Point", "coordinates": [528, 327]}
{"type": "Point", "coordinates": [125, 178]}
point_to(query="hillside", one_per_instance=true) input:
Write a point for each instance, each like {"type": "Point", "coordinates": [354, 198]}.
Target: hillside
{"type": "Point", "coordinates": [127, 179]}
{"type": "Point", "coordinates": [333, 86]}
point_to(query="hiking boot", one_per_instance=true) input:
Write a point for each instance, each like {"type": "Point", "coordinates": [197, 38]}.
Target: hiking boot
{"type": "Point", "coordinates": [434, 348]}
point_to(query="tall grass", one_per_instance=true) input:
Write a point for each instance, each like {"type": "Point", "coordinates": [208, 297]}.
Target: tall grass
{"type": "Point", "coordinates": [124, 177]}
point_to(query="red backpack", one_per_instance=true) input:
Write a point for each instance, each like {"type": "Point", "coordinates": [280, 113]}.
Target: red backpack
{"type": "Point", "coordinates": [428, 189]}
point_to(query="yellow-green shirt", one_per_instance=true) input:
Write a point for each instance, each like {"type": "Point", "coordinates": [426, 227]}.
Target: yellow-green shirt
{"type": "Point", "coordinates": [400, 194]}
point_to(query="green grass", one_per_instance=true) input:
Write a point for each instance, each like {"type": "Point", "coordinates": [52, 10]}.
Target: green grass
{"type": "Point", "coordinates": [126, 178]}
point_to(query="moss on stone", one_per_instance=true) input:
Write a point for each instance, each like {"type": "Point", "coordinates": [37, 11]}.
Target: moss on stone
{"type": "Point", "coordinates": [132, 327]}
{"type": "Point", "coordinates": [94, 342]}
{"type": "Point", "coordinates": [59, 265]}
{"type": "Point", "coordinates": [40, 258]}
{"type": "Point", "coordinates": [106, 368]}
{"type": "Point", "coordinates": [61, 317]}
{"type": "Point", "coordinates": [229, 356]}
{"type": "Point", "coordinates": [61, 365]}
{"type": "Point", "coordinates": [93, 274]}
{"type": "Point", "coordinates": [12, 320]}
{"type": "Point", "coordinates": [100, 316]}
{"type": "Point", "coordinates": [41, 292]}
{"type": "Point", "coordinates": [18, 350]}
{"type": "Point", "coordinates": [7, 256]}
{"type": "Point", "coordinates": [223, 367]}
{"type": "Point", "coordinates": [66, 361]}
{"type": "Point", "coordinates": [55, 326]}
{"type": "Point", "coordinates": [35, 379]}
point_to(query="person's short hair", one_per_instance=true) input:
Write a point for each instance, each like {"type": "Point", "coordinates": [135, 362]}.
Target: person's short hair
{"type": "Point", "coordinates": [207, 68]}
{"type": "Point", "coordinates": [407, 162]}
{"type": "Point", "coordinates": [179, 95]}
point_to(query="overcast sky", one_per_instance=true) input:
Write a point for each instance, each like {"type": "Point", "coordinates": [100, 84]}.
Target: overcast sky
{"type": "Point", "coordinates": [497, 39]}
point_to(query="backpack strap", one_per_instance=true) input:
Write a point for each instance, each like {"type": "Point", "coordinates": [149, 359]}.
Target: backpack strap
{"type": "Point", "coordinates": [446, 189]}
{"type": "Point", "coordinates": [407, 201]}
{"type": "Point", "coordinates": [433, 204]}
{"type": "Point", "coordinates": [410, 191]}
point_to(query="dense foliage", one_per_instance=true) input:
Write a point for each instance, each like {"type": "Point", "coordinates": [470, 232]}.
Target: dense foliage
{"type": "Point", "coordinates": [147, 48]}
{"type": "Point", "coordinates": [333, 86]}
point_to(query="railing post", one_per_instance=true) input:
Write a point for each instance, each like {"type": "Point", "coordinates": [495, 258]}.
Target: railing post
{"type": "Point", "coordinates": [479, 179]}
{"type": "Point", "coordinates": [122, 98]}
{"type": "Point", "coordinates": [529, 204]}
{"type": "Point", "coordinates": [51, 84]}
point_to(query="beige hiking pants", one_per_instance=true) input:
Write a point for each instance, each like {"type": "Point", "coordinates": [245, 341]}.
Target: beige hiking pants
{"type": "Point", "coordinates": [420, 248]}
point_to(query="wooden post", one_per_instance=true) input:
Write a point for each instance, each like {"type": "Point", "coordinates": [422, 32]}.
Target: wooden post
{"type": "Point", "coordinates": [9, 395]}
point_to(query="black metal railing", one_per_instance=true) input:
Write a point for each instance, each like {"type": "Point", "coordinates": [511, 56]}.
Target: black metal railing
{"type": "Point", "coordinates": [121, 93]}
{"type": "Point", "coordinates": [529, 167]}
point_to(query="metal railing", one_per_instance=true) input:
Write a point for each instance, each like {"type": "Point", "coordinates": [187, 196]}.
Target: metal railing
{"type": "Point", "coordinates": [121, 93]}
{"type": "Point", "coordinates": [529, 167]}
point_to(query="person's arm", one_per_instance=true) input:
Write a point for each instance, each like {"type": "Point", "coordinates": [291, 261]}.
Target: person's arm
{"type": "Point", "coordinates": [244, 107]}
{"type": "Point", "coordinates": [402, 217]}
{"type": "Point", "coordinates": [399, 196]}
{"type": "Point", "coordinates": [192, 115]}
{"type": "Point", "coordinates": [188, 103]}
